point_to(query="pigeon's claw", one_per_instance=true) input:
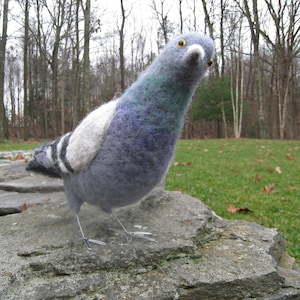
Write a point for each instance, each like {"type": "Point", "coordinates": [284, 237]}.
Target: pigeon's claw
{"type": "Point", "coordinates": [86, 240]}
{"type": "Point", "coordinates": [141, 235]}
{"type": "Point", "coordinates": [133, 234]}
{"type": "Point", "coordinates": [96, 242]}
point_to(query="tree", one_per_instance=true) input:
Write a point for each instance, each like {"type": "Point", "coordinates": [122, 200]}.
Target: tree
{"type": "Point", "coordinates": [86, 56]}
{"type": "Point", "coordinates": [121, 47]}
{"type": "Point", "coordinates": [25, 69]}
{"type": "Point", "coordinates": [180, 16]}
{"type": "Point", "coordinates": [285, 47]}
{"type": "Point", "coordinates": [75, 44]}
{"type": "Point", "coordinates": [210, 24]}
{"type": "Point", "coordinates": [60, 83]}
{"type": "Point", "coordinates": [165, 26]}
{"type": "Point", "coordinates": [42, 64]}
{"type": "Point", "coordinates": [236, 72]}
{"type": "Point", "coordinates": [213, 101]}
{"type": "Point", "coordinates": [64, 67]}
{"type": "Point", "coordinates": [252, 16]}
{"type": "Point", "coordinates": [3, 39]}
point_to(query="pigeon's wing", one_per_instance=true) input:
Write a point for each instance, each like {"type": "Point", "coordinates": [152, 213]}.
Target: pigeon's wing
{"type": "Point", "coordinates": [86, 140]}
{"type": "Point", "coordinates": [75, 150]}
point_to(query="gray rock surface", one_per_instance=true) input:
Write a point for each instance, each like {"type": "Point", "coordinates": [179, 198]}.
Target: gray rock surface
{"type": "Point", "coordinates": [196, 254]}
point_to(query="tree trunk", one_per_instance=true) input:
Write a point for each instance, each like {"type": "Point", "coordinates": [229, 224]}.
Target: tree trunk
{"type": "Point", "coordinates": [64, 71]}
{"type": "Point", "coordinates": [180, 16]}
{"type": "Point", "coordinates": [41, 44]}
{"type": "Point", "coordinates": [86, 57]}
{"type": "Point", "coordinates": [121, 48]}
{"type": "Point", "coordinates": [3, 37]}
{"type": "Point", "coordinates": [285, 48]}
{"type": "Point", "coordinates": [255, 35]}
{"type": "Point", "coordinates": [237, 82]}
{"type": "Point", "coordinates": [211, 30]}
{"type": "Point", "coordinates": [25, 70]}
{"type": "Point", "coordinates": [76, 71]}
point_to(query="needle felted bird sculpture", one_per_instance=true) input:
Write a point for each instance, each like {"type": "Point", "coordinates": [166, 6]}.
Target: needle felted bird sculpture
{"type": "Point", "coordinates": [123, 149]}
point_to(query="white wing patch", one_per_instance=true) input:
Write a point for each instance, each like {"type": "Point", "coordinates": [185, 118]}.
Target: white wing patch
{"type": "Point", "coordinates": [88, 136]}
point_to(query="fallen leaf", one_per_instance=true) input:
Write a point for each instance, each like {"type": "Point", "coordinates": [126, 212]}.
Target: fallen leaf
{"type": "Point", "coordinates": [231, 208]}
{"type": "Point", "coordinates": [258, 178]}
{"type": "Point", "coordinates": [260, 160]}
{"type": "Point", "coordinates": [268, 189]}
{"type": "Point", "coordinates": [182, 163]}
{"type": "Point", "coordinates": [291, 188]}
{"type": "Point", "coordinates": [278, 170]}
{"type": "Point", "coordinates": [23, 207]}
{"type": "Point", "coordinates": [244, 210]}
{"type": "Point", "coordinates": [290, 157]}
{"type": "Point", "coordinates": [19, 156]}
{"type": "Point", "coordinates": [178, 189]}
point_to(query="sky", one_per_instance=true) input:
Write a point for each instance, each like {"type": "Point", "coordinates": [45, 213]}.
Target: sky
{"type": "Point", "coordinates": [140, 15]}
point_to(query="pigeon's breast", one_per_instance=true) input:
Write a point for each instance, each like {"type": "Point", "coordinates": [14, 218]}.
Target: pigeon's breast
{"type": "Point", "coordinates": [133, 159]}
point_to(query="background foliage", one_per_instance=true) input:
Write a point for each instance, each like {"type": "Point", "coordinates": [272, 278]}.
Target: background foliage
{"type": "Point", "coordinates": [60, 59]}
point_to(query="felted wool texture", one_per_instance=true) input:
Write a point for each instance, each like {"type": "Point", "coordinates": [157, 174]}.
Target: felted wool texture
{"type": "Point", "coordinates": [122, 150]}
{"type": "Point", "coordinates": [87, 138]}
{"type": "Point", "coordinates": [121, 174]}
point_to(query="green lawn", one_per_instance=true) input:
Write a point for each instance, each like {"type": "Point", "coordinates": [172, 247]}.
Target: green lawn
{"type": "Point", "coordinates": [11, 146]}
{"type": "Point", "coordinates": [260, 175]}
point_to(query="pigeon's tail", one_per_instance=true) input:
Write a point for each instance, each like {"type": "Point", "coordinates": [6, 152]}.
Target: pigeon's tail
{"type": "Point", "coordinates": [43, 162]}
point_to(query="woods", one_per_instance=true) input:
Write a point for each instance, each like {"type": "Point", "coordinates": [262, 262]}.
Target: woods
{"type": "Point", "coordinates": [61, 59]}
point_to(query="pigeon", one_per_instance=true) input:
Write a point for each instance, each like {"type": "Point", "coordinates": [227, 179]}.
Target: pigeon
{"type": "Point", "coordinates": [120, 151]}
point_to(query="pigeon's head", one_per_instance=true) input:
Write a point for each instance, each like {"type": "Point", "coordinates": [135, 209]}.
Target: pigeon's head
{"type": "Point", "coordinates": [187, 56]}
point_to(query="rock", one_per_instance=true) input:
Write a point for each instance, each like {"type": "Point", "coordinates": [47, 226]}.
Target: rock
{"type": "Point", "coordinates": [12, 170]}
{"type": "Point", "coordinates": [14, 177]}
{"type": "Point", "coordinates": [20, 189]}
{"type": "Point", "coordinates": [197, 255]}
{"type": "Point", "coordinates": [38, 183]}
{"type": "Point", "coordinates": [13, 202]}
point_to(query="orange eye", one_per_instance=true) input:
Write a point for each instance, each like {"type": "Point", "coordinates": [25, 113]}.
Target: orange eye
{"type": "Point", "coordinates": [181, 43]}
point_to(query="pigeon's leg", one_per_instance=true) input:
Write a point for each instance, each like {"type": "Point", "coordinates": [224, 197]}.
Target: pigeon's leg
{"type": "Point", "coordinates": [86, 240]}
{"type": "Point", "coordinates": [130, 234]}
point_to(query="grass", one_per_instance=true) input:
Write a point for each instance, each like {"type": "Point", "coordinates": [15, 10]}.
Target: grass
{"type": "Point", "coordinates": [240, 172]}
{"type": "Point", "coordinates": [11, 146]}
{"type": "Point", "coordinates": [224, 172]}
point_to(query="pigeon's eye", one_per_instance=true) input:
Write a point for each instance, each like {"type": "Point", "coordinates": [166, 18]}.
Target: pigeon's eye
{"type": "Point", "coordinates": [209, 63]}
{"type": "Point", "coordinates": [181, 43]}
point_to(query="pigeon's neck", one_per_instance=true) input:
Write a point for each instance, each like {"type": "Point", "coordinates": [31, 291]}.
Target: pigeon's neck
{"type": "Point", "coordinates": [160, 99]}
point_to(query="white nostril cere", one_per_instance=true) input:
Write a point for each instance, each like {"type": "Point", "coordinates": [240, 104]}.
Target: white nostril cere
{"type": "Point", "coordinates": [195, 52]}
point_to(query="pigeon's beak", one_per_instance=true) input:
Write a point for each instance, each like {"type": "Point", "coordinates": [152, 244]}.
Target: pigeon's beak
{"type": "Point", "coordinates": [195, 54]}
